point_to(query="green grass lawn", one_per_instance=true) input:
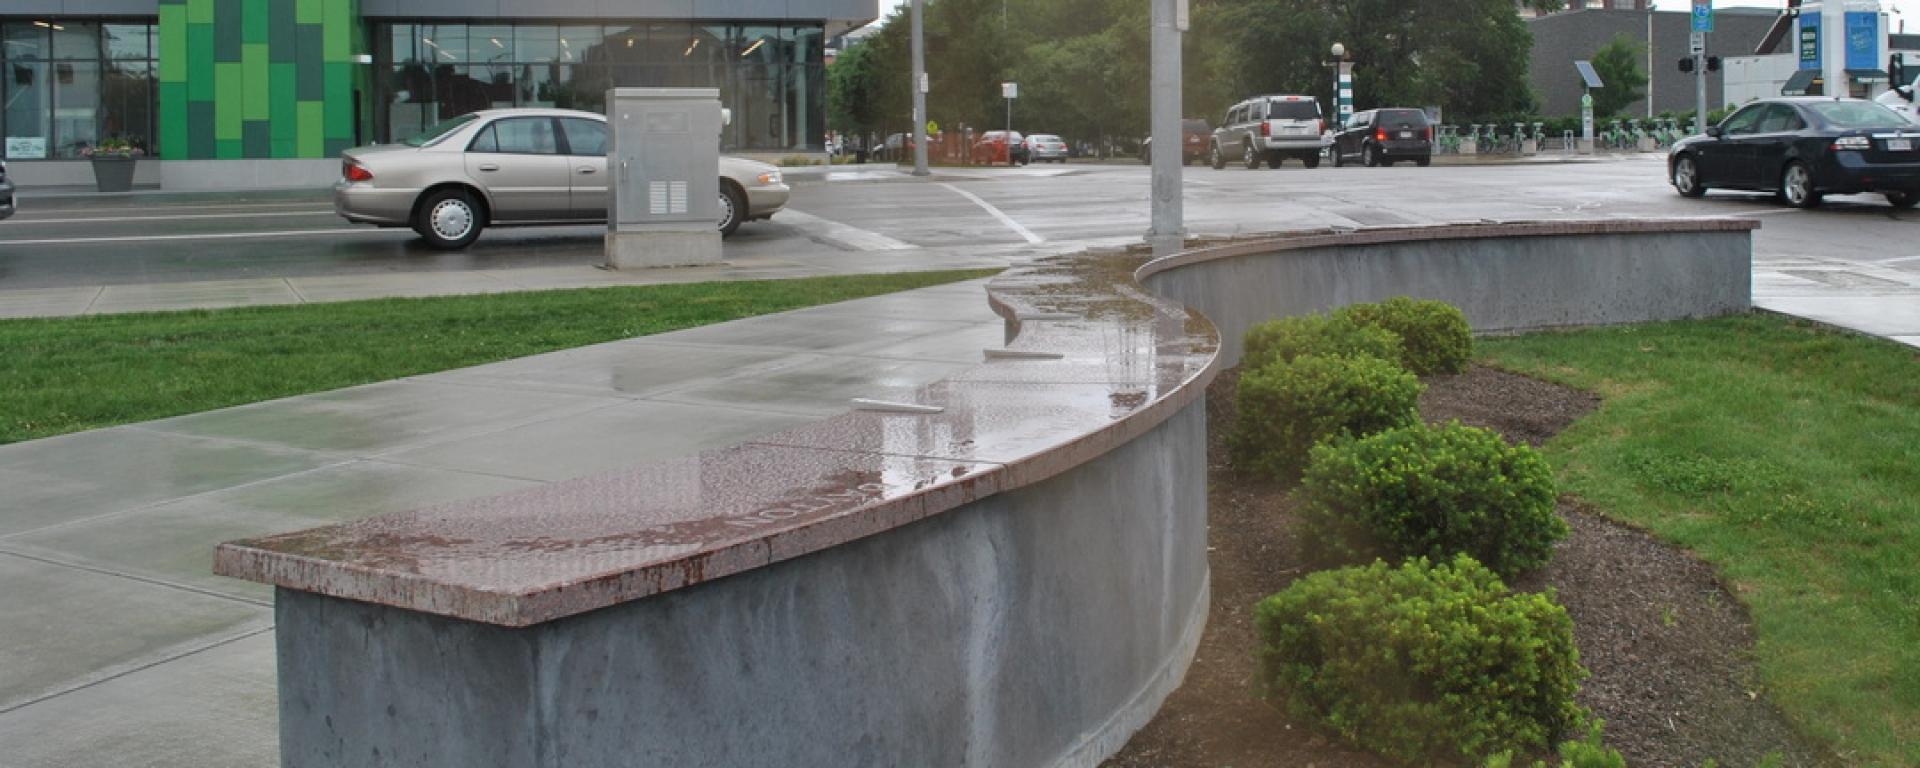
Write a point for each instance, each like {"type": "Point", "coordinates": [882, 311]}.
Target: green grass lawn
{"type": "Point", "coordinates": [1789, 457]}
{"type": "Point", "coordinates": [69, 374]}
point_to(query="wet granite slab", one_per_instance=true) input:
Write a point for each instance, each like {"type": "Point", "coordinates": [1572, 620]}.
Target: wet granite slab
{"type": "Point", "coordinates": [1103, 363]}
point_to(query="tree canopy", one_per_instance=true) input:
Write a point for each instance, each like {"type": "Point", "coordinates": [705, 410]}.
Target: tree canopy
{"type": "Point", "coordinates": [1622, 78]}
{"type": "Point", "coordinates": [1083, 65]}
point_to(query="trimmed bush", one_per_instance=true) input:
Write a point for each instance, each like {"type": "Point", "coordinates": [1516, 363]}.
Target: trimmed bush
{"type": "Point", "coordinates": [1433, 491]}
{"type": "Point", "coordinates": [1287, 338]}
{"type": "Point", "coordinates": [1422, 663]}
{"type": "Point", "coordinates": [1285, 408]}
{"type": "Point", "coordinates": [1434, 335]}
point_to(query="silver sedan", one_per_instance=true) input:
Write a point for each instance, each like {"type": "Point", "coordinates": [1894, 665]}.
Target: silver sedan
{"type": "Point", "coordinates": [513, 167]}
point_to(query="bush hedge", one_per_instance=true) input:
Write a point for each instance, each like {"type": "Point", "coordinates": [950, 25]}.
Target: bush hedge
{"type": "Point", "coordinates": [1284, 339]}
{"type": "Point", "coordinates": [1421, 662]}
{"type": "Point", "coordinates": [1285, 408]}
{"type": "Point", "coordinates": [1434, 335]}
{"type": "Point", "coordinates": [1434, 491]}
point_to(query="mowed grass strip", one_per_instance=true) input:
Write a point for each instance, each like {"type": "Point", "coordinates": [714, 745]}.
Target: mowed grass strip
{"type": "Point", "coordinates": [68, 374]}
{"type": "Point", "coordinates": [1789, 457]}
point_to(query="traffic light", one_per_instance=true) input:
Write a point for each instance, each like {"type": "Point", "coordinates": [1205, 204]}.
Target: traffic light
{"type": "Point", "coordinates": [1686, 64]}
{"type": "Point", "coordinates": [1713, 63]}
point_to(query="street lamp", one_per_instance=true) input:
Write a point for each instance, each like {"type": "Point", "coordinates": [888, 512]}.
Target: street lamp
{"type": "Point", "coordinates": [1342, 84]}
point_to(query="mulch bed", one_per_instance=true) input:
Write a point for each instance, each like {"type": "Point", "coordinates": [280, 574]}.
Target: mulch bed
{"type": "Point", "coordinates": [1668, 646]}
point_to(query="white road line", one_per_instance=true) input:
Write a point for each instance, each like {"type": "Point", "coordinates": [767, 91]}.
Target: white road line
{"type": "Point", "coordinates": [116, 219]}
{"type": "Point", "coordinates": [214, 236]}
{"type": "Point", "coordinates": [1004, 219]}
{"type": "Point", "coordinates": [1900, 260]}
{"type": "Point", "coordinates": [159, 207]}
{"type": "Point", "coordinates": [844, 234]}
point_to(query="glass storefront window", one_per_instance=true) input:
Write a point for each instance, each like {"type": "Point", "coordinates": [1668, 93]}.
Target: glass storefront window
{"type": "Point", "coordinates": [67, 85]}
{"type": "Point", "coordinates": [769, 75]}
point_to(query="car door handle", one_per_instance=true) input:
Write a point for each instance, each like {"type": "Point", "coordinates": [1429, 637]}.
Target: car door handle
{"type": "Point", "coordinates": [489, 167]}
{"type": "Point", "coordinates": [586, 169]}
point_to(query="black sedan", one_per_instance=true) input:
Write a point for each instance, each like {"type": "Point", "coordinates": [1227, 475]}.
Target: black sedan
{"type": "Point", "coordinates": [1802, 149]}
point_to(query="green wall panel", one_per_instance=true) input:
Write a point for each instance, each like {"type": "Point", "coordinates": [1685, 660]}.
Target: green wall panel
{"type": "Point", "coordinates": [258, 78]}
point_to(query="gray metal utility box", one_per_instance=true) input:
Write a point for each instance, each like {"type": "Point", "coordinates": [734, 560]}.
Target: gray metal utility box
{"type": "Point", "coordinates": [664, 156]}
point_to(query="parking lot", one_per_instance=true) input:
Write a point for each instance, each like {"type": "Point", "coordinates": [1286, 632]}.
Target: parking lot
{"type": "Point", "coordinates": [1853, 257]}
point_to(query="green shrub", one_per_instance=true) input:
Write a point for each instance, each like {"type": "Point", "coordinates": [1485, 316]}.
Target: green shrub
{"type": "Point", "coordinates": [1422, 663]}
{"type": "Point", "coordinates": [1285, 408]}
{"type": "Point", "coordinates": [1432, 491]}
{"type": "Point", "coordinates": [1434, 335]}
{"type": "Point", "coordinates": [1590, 752]}
{"type": "Point", "coordinates": [1284, 339]}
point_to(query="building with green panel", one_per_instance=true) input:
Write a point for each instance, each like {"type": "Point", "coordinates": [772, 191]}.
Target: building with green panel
{"type": "Point", "coordinates": [266, 93]}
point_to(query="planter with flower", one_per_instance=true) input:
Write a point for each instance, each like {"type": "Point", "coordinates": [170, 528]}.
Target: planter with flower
{"type": "Point", "coordinates": [113, 163]}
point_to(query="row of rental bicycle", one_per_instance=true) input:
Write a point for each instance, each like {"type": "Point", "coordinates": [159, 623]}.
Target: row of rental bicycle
{"type": "Point", "coordinates": [1494, 138]}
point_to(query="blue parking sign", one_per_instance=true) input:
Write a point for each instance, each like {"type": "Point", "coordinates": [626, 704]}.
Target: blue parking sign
{"type": "Point", "coordinates": [1703, 15]}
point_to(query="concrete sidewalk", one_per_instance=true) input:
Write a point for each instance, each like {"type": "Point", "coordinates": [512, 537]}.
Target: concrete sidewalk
{"type": "Point", "coordinates": [121, 648]}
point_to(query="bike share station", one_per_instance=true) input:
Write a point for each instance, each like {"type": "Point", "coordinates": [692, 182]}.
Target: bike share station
{"type": "Point", "coordinates": [663, 151]}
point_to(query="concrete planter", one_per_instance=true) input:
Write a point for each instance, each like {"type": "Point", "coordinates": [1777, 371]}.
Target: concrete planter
{"type": "Point", "coordinates": [113, 173]}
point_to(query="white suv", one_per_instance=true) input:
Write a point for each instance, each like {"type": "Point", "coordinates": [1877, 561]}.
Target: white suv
{"type": "Point", "coordinates": [1270, 128]}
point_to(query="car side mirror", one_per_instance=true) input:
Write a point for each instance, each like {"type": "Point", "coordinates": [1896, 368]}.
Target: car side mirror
{"type": "Point", "coordinates": [1713, 131]}
{"type": "Point", "coordinates": [726, 117]}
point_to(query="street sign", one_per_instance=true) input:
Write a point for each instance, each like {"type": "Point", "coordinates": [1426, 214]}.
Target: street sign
{"type": "Point", "coordinates": [1009, 90]}
{"type": "Point", "coordinates": [1698, 43]}
{"type": "Point", "coordinates": [1702, 16]}
{"type": "Point", "coordinates": [932, 127]}
{"type": "Point", "coordinates": [923, 82]}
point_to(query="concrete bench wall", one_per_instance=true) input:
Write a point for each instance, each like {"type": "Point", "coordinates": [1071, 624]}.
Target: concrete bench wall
{"type": "Point", "coordinates": [1017, 580]}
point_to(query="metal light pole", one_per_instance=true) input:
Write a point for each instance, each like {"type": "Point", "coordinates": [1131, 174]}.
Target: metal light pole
{"type": "Point", "coordinates": [919, 93]}
{"type": "Point", "coordinates": [1169, 232]}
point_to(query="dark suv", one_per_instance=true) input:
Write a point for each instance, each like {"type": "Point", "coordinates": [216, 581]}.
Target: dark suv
{"type": "Point", "coordinates": [6, 193]}
{"type": "Point", "coordinates": [1383, 137]}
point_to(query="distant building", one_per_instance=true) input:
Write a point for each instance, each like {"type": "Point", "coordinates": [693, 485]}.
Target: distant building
{"type": "Point", "coordinates": [1526, 9]}
{"type": "Point", "coordinates": [1560, 39]}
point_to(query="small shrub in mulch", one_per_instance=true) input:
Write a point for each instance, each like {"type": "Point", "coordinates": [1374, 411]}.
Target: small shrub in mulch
{"type": "Point", "coordinates": [1287, 407]}
{"type": "Point", "coordinates": [1335, 335]}
{"type": "Point", "coordinates": [1422, 663]}
{"type": "Point", "coordinates": [1433, 491]}
{"type": "Point", "coordinates": [1434, 335]}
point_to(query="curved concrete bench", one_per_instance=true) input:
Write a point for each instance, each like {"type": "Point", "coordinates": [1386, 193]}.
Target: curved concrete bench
{"type": "Point", "coordinates": [1018, 579]}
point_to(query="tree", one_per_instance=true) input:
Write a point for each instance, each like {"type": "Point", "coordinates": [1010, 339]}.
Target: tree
{"type": "Point", "coordinates": [1621, 76]}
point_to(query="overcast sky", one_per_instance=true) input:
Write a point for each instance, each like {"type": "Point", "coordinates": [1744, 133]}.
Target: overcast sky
{"type": "Point", "coordinates": [1909, 9]}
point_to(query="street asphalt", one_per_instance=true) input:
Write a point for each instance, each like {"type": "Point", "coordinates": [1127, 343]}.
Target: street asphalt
{"type": "Point", "coordinates": [1852, 262]}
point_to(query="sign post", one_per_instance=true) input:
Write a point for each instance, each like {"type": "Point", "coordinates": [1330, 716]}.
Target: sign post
{"type": "Point", "coordinates": [1697, 47]}
{"type": "Point", "coordinates": [919, 90]}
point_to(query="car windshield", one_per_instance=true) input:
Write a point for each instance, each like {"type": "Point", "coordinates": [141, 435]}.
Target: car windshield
{"type": "Point", "coordinates": [1293, 110]}
{"type": "Point", "coordinates": [1195, 126]}
{"type": "Point", "coordinates": [437, 132]}
{"type": "Point", "coordinates": [1858, 115]}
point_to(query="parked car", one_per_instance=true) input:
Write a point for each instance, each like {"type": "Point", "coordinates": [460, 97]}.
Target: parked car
{"type": "Point", "coordinates": [1194, 136]}
{"type": "Point", "coordinates": [6, 192]}
{"type": "Point", "coordinates": [998, 148]}
{"type": "Point", "coordinates": [1046, 148]}
{"type": "Point", "coordinates": [1802, 149]}
{"type": "Point", "coordinates": [1270, 128]}
{"type": "Point", "coordinates": [513, 167]}
{"type": "Point", "coordinates": [1379, 137]}
{"type": "Point", "coordinates": [896, 148]}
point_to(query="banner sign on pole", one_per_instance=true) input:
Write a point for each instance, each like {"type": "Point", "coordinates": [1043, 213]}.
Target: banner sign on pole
{"type": "Point", "coordinates": [1863, 40]}
{"type": "Point", "coordinates": [1810, 41]}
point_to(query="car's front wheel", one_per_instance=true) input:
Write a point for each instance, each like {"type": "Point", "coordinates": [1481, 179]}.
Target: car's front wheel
{"type": "Point", "coordinates": [1796, 186]}
{"type": "Point", "coordinates": [1903, 199]}
{"type": "Point", "coordinates": [1214, 158]}
{"type": "Point", "coordinates": [449, 219]}
{"type": "Point", "coordinates": [733, 208]}
{"type": "Point", "coordinates": [1686, 177]}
